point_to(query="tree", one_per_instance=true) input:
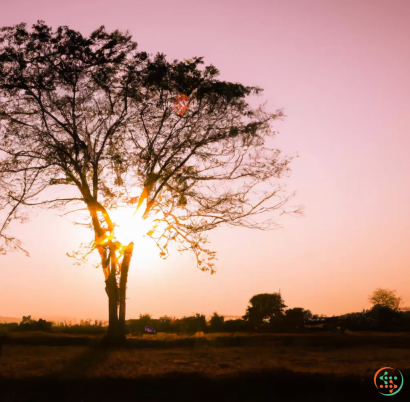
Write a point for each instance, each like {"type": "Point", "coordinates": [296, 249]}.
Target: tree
{"type": "Point", "coordinates": [111, 126]}
{"type": "Point", "coordinates": [27, 324]}
{"type": "Point", "coordinates": [217, 322]}
{"type": "Point", "coordinates": [264, 305]}
{"type": "Point", "coordinates": [385, 297]}
{"type": "Point", "coordinates": [144, 320]}
{"type": "Point", "coordinates": [385, 317]}
{"type": "Point", "coordinates": [307, 314]}
{"type": "Point", "coordinates": [26, 320]}
{"type": "Point", "coordinates": [295, 317]}
{"type": "Point", "coordinates": [192, 324]}
{"type": "Point", "coordinates": [166, 323]}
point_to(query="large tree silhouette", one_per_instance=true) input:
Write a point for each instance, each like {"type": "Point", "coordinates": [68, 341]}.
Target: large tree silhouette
{"type": "Point", "coordinates": [111, 125]}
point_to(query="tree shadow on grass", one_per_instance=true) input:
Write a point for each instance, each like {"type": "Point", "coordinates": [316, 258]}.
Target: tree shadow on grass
{"type": "Point", "coordinates": [83, 366]}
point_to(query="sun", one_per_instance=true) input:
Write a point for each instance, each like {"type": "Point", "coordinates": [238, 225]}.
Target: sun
{"type": "Point", "coordinates": [129, 224]}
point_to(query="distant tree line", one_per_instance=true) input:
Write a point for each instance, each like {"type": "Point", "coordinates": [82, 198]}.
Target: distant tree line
{"type": "Point", "coordinates": [29, 324]}
{"type": "Point", "coordinates": [267, 312]}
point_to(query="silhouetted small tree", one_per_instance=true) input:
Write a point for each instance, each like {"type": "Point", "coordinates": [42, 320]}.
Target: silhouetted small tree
{"type": "Point", "coordinates": [192, 324]}
{"type": "Point", "coordinates": [307, 314]}
{"type": "Point", "coordinates": [27, 324]}
{"type": "Point", "coordinates": [385, 297]}
{"type": "Point", "coordinates": [166, 324]}
{"type": "Point", "coordinates": [294, 318]}
{"type": "Point", "coordinates": [25, 320]}
{"type": "Point", "coordinates": [264, 305]}
{"type": "Point", "coordinates": [216, 322]}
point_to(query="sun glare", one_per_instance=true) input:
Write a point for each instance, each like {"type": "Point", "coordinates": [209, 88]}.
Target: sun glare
{"type": "Point", "coordinates": [130, 226]}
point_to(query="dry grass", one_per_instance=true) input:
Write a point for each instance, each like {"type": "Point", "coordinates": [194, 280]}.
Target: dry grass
{"type": "Point", "coordinates": [50, 335]}
{"type": "Point", "coordinates": [22, 361]}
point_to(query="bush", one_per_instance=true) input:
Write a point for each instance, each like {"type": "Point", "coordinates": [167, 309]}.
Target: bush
{"type": "Point", "coordinates": [216, 323]}
{"type": "Point", "coordinates": [137, 326]}
{"type": "Point", "coordinates": [8, 327]}
{"type": "Point", "coordinates": [294, 318]}
{"type": "Point", "coordinates": [27, 324]}
{"type": "Point", "coordinates": [386, 318]}
{"type": "Point", "coordinates": [236, 326]}
{"type": "Point", "coordinates": [192, 324]}
{"type": "Point", "coordinates": [165, 324]}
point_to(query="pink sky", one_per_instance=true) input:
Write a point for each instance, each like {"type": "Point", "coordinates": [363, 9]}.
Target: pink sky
{"type": "Point", "coordinates": [340, 69]}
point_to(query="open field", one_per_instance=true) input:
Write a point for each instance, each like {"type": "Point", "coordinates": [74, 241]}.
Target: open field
{"type": "Point", "coordinates": [285, 364]}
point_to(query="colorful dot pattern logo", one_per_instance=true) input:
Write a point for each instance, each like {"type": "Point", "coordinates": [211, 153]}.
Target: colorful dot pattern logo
{"type": "Point", "coordinates": [388, 381]}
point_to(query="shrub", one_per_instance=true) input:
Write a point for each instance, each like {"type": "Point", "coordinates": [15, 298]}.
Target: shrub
{"type": "Point", "coordinates": [167, 324]}
{"type": "Point", "coordinates": [137, 326]}
{"type": "Point", "coordinates": [192, 324]}
{"type": "Point", "coordinates": [294, 318]}
{"type": "Point", "coordinates": [8, 327]}
{"type": "Point", "coordinates": [216, 323]}
{"type": "Point", "coordinates": [386, 318]}
{"type": "Point", "coordinates": [27, 324]}
{"type": "Point", "coordinates": [238, 325]}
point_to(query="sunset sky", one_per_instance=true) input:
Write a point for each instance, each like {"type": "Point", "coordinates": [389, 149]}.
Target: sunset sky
{"type": "Point", "coordinates": [340, 69]}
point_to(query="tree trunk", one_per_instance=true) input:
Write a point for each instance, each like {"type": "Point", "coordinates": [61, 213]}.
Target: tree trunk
{"type": "Point", "coordinates": [123, 288]}
{"type": "Point", "coordinates": [112, 291]}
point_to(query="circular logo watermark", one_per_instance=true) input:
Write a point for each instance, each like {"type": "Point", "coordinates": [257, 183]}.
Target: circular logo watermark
{"type": "Point", "coordinates": [388, 381]}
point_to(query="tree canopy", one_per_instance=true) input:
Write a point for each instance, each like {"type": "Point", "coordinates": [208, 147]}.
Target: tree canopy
{"type": "Point", "coordinates": [386, 298]}
{"type": "Point", "coordinates": [265, 305]}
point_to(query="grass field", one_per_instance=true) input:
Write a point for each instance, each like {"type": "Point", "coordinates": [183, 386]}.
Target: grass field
{"type": "Point", "coordinates": [353, 357]}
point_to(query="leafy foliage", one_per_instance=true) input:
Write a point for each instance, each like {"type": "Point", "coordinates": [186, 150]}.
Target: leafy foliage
{"type": "Point", "coordinates": [265, 305]}
{"type": "Point", "coordinates": [385, 297]}
{"type": "Point", "coordinates": [189, 325]}
{"type": "Point", "coordinates": [237, 325]}
{"type": "Point", "coordinates": [27, 324]}
{"type": "Point", "coordinates": [216, 322]}
{"type": "Point", "coordinates": [295, 317]}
